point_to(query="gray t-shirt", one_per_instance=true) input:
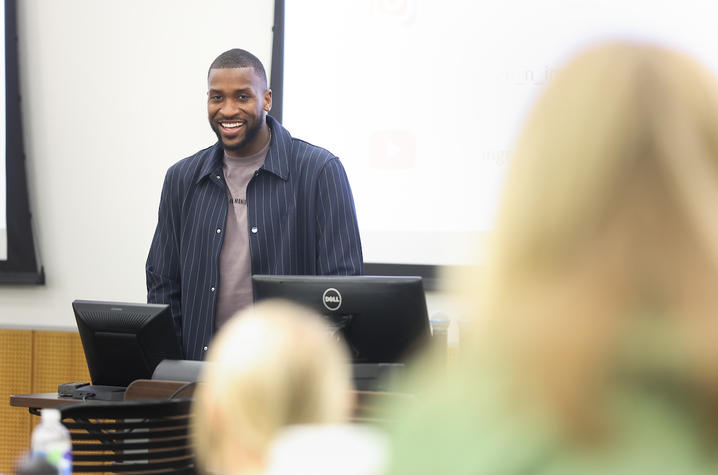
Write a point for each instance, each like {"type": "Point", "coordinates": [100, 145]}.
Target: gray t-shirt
{"type": "Point", "coordinates": [235, 266]}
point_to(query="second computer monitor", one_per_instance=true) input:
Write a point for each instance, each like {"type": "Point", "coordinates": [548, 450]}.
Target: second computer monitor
{"type": "Point", "coordinates": [125, 341]}
{"type": "Point", "coordinates": [382, 318]}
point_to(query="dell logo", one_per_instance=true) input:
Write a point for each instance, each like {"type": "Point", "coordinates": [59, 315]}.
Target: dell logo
{"type": "Point", "coordinates": [332, 299]}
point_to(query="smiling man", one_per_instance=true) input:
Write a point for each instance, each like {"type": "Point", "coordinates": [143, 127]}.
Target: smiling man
{"type": "Point", "coordinates": [257, 202]}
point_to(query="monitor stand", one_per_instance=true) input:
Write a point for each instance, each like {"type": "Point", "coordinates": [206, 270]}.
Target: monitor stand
{"type": "Point", "coordinates": [100, 393]}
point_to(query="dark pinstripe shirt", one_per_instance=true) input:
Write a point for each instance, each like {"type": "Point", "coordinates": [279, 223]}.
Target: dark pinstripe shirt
{"type": "Point", "coordinates": [301, 220]}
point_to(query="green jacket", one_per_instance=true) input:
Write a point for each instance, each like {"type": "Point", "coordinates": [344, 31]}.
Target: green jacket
{"type": "Point", "coordinates": [461, 426]}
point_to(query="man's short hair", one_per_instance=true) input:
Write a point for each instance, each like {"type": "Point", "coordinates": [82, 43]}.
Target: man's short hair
{"type": "Point", "coordinates": [239, 58]}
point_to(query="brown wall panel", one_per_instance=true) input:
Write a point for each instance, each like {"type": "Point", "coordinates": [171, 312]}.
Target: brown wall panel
{"type": "Point", "coordinates": [58, 358]}
{"type": "Point", "coordinates": [15, 378]}
{"type": "Point", "coordinates": [32, 362]}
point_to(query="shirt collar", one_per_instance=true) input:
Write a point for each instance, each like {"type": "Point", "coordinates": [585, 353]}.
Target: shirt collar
{"type": "Point", "coordinates": [277, 161]}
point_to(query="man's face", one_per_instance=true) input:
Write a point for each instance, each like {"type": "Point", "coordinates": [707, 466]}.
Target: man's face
{"type": "Point", "coordinates": [237, 104]}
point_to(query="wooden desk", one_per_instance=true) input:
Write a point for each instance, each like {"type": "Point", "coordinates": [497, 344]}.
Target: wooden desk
{"type": "Point", "coordinates": [43, 400]}
{"type": "Point", "coordinates": [138, 390]}
{"type": "Point", "coordinates": [366, 403]}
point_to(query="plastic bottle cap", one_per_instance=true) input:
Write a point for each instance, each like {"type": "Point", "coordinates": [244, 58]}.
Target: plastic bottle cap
{"type": "Point", "coordinates": [50, 415]}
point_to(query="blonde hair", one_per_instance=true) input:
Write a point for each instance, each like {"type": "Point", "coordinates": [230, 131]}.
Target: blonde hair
{"type": "Point", "coordinates": [607, 236]}
{"type": "Point", "coordinates": [271, 366]}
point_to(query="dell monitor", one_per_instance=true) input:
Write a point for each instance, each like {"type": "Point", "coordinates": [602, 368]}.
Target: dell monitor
{"type": "Point", "coordinates": [125, 341]}
{"type": "Point", "coordinates": [381, 318]}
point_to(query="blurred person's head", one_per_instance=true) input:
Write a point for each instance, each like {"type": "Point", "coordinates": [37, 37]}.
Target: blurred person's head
{"type": "Point", "coordinates": [604, 261]}
{"type": "Point", "coordinates": [271, 366]}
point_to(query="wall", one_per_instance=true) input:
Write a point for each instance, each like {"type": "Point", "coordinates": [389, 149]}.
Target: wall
{"type": "Point", "coordinates": [113, 94]}
{"type": "Point", "coordinates": [32, 362]}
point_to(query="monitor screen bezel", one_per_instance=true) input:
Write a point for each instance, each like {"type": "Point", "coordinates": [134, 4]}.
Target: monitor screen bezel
{"type": "Point", "coordinates": [125, 341]}
{"type": "Point", "coordinates": [390, 316]}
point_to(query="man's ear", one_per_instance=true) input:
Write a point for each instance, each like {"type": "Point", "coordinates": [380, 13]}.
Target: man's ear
{"type": "Point", "coordinates": [267, 100]}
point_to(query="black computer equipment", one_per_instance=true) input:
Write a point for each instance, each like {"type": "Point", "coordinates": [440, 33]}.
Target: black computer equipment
{"type": "Point", "coordinates": [123, 342]}
{"type": "Point", "coordinates": [381, 318]}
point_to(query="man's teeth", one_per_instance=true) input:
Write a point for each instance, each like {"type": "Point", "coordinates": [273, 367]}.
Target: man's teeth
{"type": "Point", "coordinates": [231, 125]}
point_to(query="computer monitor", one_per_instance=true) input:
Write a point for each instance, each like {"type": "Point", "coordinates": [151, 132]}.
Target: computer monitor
{"type": "Point", "coordinates": [382, 318]}
{"type": "Point", "coordinates": [125, 341]}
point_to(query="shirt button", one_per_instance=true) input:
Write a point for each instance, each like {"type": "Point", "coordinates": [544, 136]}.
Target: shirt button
{"type": "Point", "coordinates": [211, 289]}
{"type": "Point", "coordinates": [205, 348]}
{"type": "Point", "coordinates": [254, 229]}
{"type": "Point", "coordinates": [219, 230]}
{"type": "Point", "coordinates": [218, 177]}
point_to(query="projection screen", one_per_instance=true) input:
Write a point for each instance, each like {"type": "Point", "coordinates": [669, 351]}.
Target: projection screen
{"type": "Point", "coordinates": [3, 185]}
{"type": "Point", "coordinates": [423, 100]}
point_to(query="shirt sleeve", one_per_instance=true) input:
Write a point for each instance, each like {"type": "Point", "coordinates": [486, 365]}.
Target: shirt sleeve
{"type": "Point", "coordinates": [162, 268]}
{"type": "Point", "coordinates": [338, 243]}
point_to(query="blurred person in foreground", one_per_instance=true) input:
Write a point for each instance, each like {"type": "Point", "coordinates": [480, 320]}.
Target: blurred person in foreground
{"type": "Point", "coordinates": [592, 348]}
{"type": "Point", "coordinates": [271, 366]}
{"type": "Point", "coordinates": [276, 398]}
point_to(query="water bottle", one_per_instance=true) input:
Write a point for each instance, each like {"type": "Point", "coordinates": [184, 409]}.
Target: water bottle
{"type": "Point", "coordinates": [51, 441]}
